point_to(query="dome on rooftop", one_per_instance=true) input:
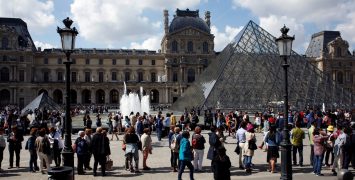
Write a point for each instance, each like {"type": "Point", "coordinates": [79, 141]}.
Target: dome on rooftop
{"type": "Point", "coordinates": [188, 18]}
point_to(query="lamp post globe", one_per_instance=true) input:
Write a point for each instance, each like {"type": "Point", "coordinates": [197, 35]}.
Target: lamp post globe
{"type": "Point", "coordinates": [284, 43]}
{"type": "Point", "coordinates": [67, 37]}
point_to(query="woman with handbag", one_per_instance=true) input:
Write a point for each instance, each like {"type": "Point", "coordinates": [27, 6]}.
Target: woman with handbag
{"type": "Point", "coordinates": [249, 147]}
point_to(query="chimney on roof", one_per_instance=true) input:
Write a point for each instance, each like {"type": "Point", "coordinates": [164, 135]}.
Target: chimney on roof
{"type": "Point", "coordinates": [166, 21]}
{"type": "Point", "coordinates": [39, 49]}
{"type": "Point", "coordinates": [207, 18]}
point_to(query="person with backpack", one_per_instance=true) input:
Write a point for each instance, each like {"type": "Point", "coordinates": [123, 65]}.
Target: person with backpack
{"type": "Point", "coordinates": [31, 147]}
{"type": "Point", "coordinates": [318, 139]}
{"type": "Point", "coordinates": [185, 155]}
{"type": "Point", "coordinates": [98, 120]}
{"type": "Point", "coordinates": [131, 141]}
{"type": "Point", "coordinates": [198, 145]}
{"type": "Point", "coordinates": [43, 150]}
{"type": "Point", "coordinates": [174, 144]}
{"type": "Point", "coordinates": [249, 147]}
{"type": "Point", "coordinates": [81, 150]}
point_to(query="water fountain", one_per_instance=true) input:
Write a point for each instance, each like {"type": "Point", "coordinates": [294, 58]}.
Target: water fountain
{"type": "Point", "coordinates": [132, 103]}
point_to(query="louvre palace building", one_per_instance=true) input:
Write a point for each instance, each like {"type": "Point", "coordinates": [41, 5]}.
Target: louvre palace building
{"type": "Point", "coordinates": [98, 75]}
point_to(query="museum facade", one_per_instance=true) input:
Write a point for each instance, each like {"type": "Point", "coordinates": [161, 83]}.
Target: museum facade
{"type": "Point", "coordinates": [98, 75]}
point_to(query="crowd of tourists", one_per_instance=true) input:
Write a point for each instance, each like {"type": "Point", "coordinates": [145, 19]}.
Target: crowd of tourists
{"type": "Point", "coordinates": [331, 136]}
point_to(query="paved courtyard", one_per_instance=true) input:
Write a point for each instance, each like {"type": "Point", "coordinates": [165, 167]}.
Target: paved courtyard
{"type": "Point", "coordinates": [160, 164]}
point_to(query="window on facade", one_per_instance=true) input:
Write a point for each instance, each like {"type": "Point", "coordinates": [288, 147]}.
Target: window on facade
{"type": "Point", "coordinates": [140, 62]}
{"type": "Point", "coordinates": [140, 76]}
{"type": "Point", "coordinates": [87, 61]}
{"type": "Point", "coordinates": [340, 78]}
{"type": "Point", "coordinates": [114, 76]}
{"type": "Point", "coordinates": [190, 75]}
{"type": "Point", "coordinates": [45, 61]}
{"type": "Point", "coordinates": [190, 46]}
{"type": "Point", "coordinates": [338, 52]}
{"type": "Point", "coordinates": [153, 77]}
{"type": "Point", "coordinates": [101, 76]}
{"type": "Point", "coordinates": [73, 61]}
{"type": "Point", "coordinates": [114, 61]}
{"type": "Point", "coordinates": [175, 77]}
{"type": "Point", "coordinates": [46, 76]}
{"type": "Point", "coordinates": [4, 74]}
{"type": "Point", "coordinates": [174, 46]}
{"type": "Point", "coordinates": [101, 61]}
{"type": "Point", "coordinates": [127, 76]}
{"type": "Point", "coordinates": [60, 61]}
{"type": "Point", "coordinates": [205, 47]}
{"type": "Point", "coordinates": [127, 61]}
{"type": "Point", "coordinates": [21, 75]}
{"type": "Point", "coordinates": [73, 76]}
{"type": "Point", "coordinates": [22, 59]}
{"type": "Point", "coordinates": [87, 76]}
{"type": "Point", "coordinates": [153, 62]}
{"type": "Point", "coordinates": [60, 76]}
{"type": "Point", "coordinates": [4, 43]}
{"type": "Point", "coordinates": [4, 58]}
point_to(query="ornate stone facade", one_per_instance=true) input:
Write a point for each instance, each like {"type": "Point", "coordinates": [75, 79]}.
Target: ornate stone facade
{"type": "Point", "coordinates": [330, 53]}
{"type": "Point", "coordinates": [97, 75]}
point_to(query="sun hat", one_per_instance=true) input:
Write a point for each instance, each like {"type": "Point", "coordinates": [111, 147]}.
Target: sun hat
{"type": "Point", "coordinates": [330, 128]}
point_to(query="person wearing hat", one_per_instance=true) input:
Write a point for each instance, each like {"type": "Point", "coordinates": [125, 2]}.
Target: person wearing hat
{"type": "Point", "coordinates": [329, 146]}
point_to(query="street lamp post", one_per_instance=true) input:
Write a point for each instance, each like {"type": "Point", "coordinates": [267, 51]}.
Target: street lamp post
{"type": "Point", "coordinates": [67, 36]}
{"type": "Point", "coordinates": [284, 43]}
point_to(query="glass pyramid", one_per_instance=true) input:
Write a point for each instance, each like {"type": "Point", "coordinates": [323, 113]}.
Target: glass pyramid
{"type": "Point", "coordinates": [247, 75]}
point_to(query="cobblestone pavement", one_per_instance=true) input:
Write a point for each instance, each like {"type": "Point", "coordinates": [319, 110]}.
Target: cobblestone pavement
{"type": "Point", "coordinates": [159, 161]}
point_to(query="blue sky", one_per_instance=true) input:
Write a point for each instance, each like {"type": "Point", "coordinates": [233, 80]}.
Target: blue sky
{"type": "Point", "coordinates": [139, 23]}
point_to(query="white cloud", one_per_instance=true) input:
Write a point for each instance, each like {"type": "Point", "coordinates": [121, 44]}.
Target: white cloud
{"type": "Point", "coordinates": [112, 22]}
{"type": "Point", "coordinates": [43, 45]}
{"type": "Point", "coordinates": [37, 14]}
{"type": "Point", "coordinates": [273, 24]}
{"type": "Point", "coordinates": [347, 30]}
{"type": "Point", "coordinates": [223, 38]}
{"type": "Point", "coordinates": [152, 43]}
{"type": "Point", "coordinates": [324, 14]}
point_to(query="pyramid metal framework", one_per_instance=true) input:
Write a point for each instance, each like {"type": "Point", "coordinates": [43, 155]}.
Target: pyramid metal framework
{"type": "Point", "coordinates": [248, 75]}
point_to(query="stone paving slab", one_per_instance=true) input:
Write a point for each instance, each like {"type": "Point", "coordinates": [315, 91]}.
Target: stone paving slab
{"type": "Point", "coordinates": [159, 161]}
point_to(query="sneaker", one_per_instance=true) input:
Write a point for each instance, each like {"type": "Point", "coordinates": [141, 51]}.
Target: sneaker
{"type": "Point", "coordinates": [10, 167]}
{"type": "Point", "coordinates": [319, 174]}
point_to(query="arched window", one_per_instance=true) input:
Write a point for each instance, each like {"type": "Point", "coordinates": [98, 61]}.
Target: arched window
{"type": "Point", "coordinates": [190, 75]}
{"type": "Point", "coordinates": [58, 96]}
{"type": "Point", "coordinates": [100, 96]}
{"type": "Point", "coordinates": [154, 96]}
{"type": "Point", "coordinates": [73, 96]}
{"type": "Point", "coordinates": [340, 77]}
{"type": "Point", "coordinates": [205, 47]}
{"type": "Point", "coordinates": [4, 74]}
{"type": "Point", "coordinates": [190, 46]}
{"type": "Point", "coordinates": [174, 46]}
{"type": "Point", "coordinates": [86, 96]}
{"type": "Point", "coordinates": [4, 43]}
{"type": "Point", "coordinates": [114, 96]}
{"type": "Point", "coordinates": [5, 97]}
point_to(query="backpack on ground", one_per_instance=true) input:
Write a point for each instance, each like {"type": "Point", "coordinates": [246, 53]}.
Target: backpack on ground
{"type": "Point", "coordinates": [174, 145]}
